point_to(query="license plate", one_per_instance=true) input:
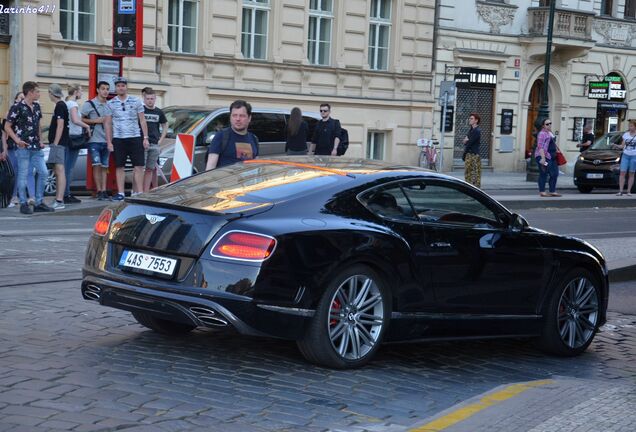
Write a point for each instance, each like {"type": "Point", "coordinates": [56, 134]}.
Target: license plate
{"type": "Point", "coordinates": [148, 262]}
{"type": "Point", "coordinates": [594, 176]}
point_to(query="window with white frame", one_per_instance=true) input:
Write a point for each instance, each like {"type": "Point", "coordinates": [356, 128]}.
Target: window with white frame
{"type": "Point", "coordinates": [182, 25]}
{"type": "Point", "coordinates": [320, 24]}
{"type": "Point", "coordinates": [379, 31]}
{"type": "Point", "coordinates": [77, 20]}
{"type": "Point", "coordinates": [375, 145]}
{"type": "Point", "coordinates": [254, 29]}
{"type": "Point", "coordinates": [607, 7]}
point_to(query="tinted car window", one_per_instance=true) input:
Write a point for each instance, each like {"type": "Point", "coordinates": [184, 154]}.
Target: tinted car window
{"type": "Point", "coordinates": [183, 120]}
{"type": "Point", "coordinates": [446, 204]}
{"type": "Point", "coordinates": [605, 142]}
{"type": "Point", "coordinates": [268, 127]}
{"type": "Point", "coordinates": [218, 123]}
{"type": "Point", "coordinates": [389, 203]}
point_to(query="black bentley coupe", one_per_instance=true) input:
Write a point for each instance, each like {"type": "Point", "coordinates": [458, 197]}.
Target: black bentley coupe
{"type": "Point", "coordinates": [341, 255]}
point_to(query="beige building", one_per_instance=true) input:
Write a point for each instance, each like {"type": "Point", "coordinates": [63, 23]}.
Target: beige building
{"type": "Point", "coordinates": [371, 59]}
{"type": "Point", "coordinates": [496, 56]}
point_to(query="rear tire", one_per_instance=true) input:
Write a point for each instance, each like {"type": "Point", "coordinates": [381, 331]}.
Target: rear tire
{"type": "Point", "coordinates": [162, 326]}
{"type": "Point", "coordinates": [350, 321]}
{"type": "Point", "coordinates": [585, 189]}
{"type": "Point", "coordinates": [572, 315]}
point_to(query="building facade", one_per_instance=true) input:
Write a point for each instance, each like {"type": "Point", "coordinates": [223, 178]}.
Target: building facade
{"type": "Point", "coordinates": [496, 55]}
{"type": "Point", "coordinates": [372, 60]}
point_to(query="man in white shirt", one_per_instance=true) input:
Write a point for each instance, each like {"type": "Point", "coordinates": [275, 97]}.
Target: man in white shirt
{"type": "Point", "coordinates": [124, 138]}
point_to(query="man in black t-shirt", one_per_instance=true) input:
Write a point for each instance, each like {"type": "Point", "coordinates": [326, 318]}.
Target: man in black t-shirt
{"type": "Point", "coordinates": [233, 144]}
{"type": "Point", "coordinates": [154, 118]}
{"type": "Point", "coordinates": [587, 140]}
{"type": "Point", "coordinates": [326, 134]}
{"type": "Point", "coordinates": [58, 142]}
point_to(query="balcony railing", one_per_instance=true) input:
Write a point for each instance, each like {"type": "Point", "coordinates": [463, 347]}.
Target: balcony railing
{"type": "Point", "coordinates": [567, 23]}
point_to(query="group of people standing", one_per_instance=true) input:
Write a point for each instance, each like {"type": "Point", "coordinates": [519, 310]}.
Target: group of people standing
{"type": "Point", "coordinates": [102, 125]}
{"type": "Point", "coordinates": [235, 143]}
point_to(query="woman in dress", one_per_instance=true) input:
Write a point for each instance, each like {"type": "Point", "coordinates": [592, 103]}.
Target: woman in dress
{"type": "Point", "coordinates": [297, 131]}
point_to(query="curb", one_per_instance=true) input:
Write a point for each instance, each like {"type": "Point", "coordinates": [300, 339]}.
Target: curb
{"type": "Point", "coordinates": [546, 203]}
{"type": "Point", "coordinates": [622, 271]}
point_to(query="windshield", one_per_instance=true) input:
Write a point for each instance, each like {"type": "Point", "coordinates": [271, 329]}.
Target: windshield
{"type": "Point", "coordinates": [605, 142]}
{"type": "Point", "coordinates": [183, 120]}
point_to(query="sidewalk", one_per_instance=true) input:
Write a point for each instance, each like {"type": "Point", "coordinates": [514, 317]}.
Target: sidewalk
{"type": "Point", "coordinates": [513, 191]}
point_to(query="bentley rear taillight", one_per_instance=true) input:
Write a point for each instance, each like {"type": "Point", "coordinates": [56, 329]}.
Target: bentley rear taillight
{"type": "Point", "coordinates": [244, 246]}
{"type": "Point", "coordinates": [103, 223]}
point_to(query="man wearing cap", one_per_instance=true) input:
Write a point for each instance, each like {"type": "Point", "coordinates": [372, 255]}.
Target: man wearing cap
{"type": "Point", "coordinates": [59, 140]}
{"type": "Point", "coordinates": [23, 127]}
{"type": "Point", "coordinates": [124, 137]}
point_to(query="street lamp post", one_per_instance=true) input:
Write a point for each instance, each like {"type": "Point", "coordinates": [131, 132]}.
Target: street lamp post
{"type": "Point", "coordinates": [544, 110]}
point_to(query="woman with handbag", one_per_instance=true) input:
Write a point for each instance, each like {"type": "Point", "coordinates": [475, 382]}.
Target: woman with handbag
{"type": "Point", "coordinates": [79, 133]}
{"type": "Point", "coordinates": [546, 157]}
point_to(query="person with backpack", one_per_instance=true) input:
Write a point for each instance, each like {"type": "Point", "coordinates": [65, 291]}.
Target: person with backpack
{"type": "Point", "coordinates": [327, 133]}
{"type": "Point", "coordinates": [297, 130]}
{"type": "Point", "coordinates": [233, 144]}
{"type": "Point", "coordinates": [59, 141]}
{"type": "Point", "coordinates": [93, 112]}
{"type": "Point", "coordinates": [79, 134]}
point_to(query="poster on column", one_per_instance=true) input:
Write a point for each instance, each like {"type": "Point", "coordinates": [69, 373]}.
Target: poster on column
{"type": "Point", "coordinates": [128, 20]}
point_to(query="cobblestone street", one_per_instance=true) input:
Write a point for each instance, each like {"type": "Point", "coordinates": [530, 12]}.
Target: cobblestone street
{"type": "Point", "coordinates": [67, 364]}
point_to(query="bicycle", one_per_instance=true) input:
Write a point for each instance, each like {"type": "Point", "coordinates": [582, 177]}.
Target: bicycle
{"type": "Point", "coordinates": [428, 154]}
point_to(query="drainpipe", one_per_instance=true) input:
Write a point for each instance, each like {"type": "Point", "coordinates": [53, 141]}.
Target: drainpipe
{"type": "Point", "coordinates": [15, 52]}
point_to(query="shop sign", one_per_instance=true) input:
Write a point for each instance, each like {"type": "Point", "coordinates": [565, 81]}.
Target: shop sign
{"type": "Point", "coordinates": [616, 87]}
{"type": "Point", "coordinates": [478, 77]}
{"type": "Point", "coordinates": [506, 121]}
{"type": "Point", "coordinates": [598, 90]}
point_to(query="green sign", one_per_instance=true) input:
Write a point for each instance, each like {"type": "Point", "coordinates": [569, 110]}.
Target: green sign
{"type": "Point", "coordinates": [598, 89]}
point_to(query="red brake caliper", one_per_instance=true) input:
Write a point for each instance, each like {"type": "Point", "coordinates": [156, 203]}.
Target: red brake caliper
{"type": "Point", "coordinates": [335, 308]}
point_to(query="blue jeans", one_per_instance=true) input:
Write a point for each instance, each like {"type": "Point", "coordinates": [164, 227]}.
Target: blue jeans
{"type": "Point", "coordinates": [27, 158]}
{"type": "Point", "coordinates": [70, 159]}
{"type": "Point", "coordinates": [13, 160]}
{"type": "Point", "coordinates": [551, 170]}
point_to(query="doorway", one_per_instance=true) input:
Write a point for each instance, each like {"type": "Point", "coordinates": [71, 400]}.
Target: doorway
{"type": "Point", "coordinates": [533, 112]}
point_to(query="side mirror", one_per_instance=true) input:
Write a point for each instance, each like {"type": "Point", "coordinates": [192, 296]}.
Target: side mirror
{"type": "Point", "coordinates": [517, 223]}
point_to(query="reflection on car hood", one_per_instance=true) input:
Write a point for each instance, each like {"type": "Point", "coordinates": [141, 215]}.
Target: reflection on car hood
{"type": "Point", "coordinates": [601, 154]}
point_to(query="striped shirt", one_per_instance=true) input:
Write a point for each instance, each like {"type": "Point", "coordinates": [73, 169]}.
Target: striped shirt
{"type": "Point", "coordinates": [125, 116]}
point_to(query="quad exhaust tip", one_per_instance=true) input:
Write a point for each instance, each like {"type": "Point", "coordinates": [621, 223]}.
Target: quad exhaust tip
{"type": "Point", "coordinates": [208, 316]}
{"type": "Point", "coordinates": [92, 292]}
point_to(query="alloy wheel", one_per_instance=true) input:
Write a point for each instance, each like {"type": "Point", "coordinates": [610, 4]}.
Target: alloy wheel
{"type": "Point", "coordinates": [50, 184]}
{"type": "Point", "coordinates": [356, 317]}
{"type": "Point", "coordinates": [578, 312]}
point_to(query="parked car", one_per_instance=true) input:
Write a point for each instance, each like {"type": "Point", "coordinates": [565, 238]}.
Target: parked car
{"type": "Point", "coordinates": [599, 166]}
{"type": "Point", "coordinates": [341, 255]}
{"type": "Point", "coordinates": [268, 124]}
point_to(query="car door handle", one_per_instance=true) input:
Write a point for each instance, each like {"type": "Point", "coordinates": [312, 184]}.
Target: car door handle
{"type": "Point", "coordinates": [440, 245]}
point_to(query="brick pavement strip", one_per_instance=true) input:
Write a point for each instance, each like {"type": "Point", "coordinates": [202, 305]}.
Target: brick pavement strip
{"type": "Point", "coordinates": [64, 360]}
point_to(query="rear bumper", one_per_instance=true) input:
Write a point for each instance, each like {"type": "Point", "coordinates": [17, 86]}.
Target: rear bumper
{"type": "Point", "coordinates": [199, 307]}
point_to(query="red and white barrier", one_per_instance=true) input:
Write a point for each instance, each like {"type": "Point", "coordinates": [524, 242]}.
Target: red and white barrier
{"type": "Point", "coordinates": [183, 157]}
